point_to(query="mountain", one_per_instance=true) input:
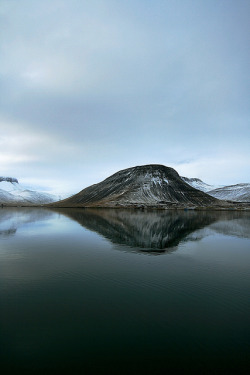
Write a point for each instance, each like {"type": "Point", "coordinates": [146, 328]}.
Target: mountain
{"type": "Point", "coordinates": [236, 193]}
{"type": "Point", "coordinates": [150, 185]}
{"type": "Point", "coordinates": [12, 193]}
{"type": "Point", "coordinates": [199, 184]}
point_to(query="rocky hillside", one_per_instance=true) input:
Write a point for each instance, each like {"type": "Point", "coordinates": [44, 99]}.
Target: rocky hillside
{"type": "Point", "coordinates": [14, 194]}
{"type": "Point", "coordinates": [148, 185]}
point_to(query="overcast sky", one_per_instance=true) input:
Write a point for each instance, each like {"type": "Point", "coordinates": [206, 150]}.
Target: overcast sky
{"type": "Point", "coordinates": [92, 87]}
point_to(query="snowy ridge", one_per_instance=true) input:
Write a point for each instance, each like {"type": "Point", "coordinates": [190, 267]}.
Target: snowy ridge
{"type": "Point", "coordinates": [236, 193]}
{"type": "Point", "coordinates": [199, 184]}
{"type": "Point", "coordinates": [13, 193]}
{"type": "Point", "coordinates": [9, 179]}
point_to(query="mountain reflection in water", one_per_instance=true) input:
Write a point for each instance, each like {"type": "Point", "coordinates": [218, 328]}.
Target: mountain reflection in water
{"type": "Point", "coordinates": [78, 297]}
{"type": "Point", "coordinates": [12, 218]}
{"type": "Point", "coordinates": [151, 231]}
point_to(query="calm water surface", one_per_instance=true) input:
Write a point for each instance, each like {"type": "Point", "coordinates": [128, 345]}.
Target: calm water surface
{"type": "Point", "coordinates": [124, 292]}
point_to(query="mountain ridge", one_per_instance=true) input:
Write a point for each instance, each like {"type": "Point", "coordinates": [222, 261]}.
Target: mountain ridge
{"type": "Point", "coordinates": [12, 194]}
{"type": "Point", "coordinates": [236, 193]}
{"type": "Point", "coordinates": [197, 183]}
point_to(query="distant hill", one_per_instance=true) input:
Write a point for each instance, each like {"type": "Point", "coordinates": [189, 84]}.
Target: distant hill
{"type": "Point", "coordinates": [199, 184]}
{"type": "Point", "coordinates": [236, 193]}
{"type": "Point", "coordinates": [148, 185]}
{"type": "Point", "coordinates": [12, 193]}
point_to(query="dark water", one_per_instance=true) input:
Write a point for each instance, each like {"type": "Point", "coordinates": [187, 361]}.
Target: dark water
{"type": "Point", "coordinates": [124, 292]}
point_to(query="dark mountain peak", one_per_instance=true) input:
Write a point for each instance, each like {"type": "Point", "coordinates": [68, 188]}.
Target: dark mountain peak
{"type": "Point", "coordinates": [8, 179]}
{"type": "Point", "coordinates": [152, 185]}
{"type": "Point", "coordinates": [144, 171]}
{"type": "Point", "coordinates": [149, 168]}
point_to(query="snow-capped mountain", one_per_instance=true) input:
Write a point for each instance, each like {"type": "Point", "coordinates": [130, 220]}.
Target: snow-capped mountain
{"type": "Point", "coordinates": [199, 184]}
{"type": "Point", "coordinates": [147, 185]}
{"type": "Point", "coordinates": [236, 193]}
{"type": "Point", "coordinates": [13, 193]}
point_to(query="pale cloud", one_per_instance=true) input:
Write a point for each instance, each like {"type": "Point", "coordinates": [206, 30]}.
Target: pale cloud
{"type": "Point", "coordinates": [25, 154]}
{"type": "Point", "coordinates": [225, 170]}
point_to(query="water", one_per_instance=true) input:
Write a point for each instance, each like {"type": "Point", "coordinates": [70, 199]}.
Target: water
{"type": "Point", "coordinates": [124, 292]}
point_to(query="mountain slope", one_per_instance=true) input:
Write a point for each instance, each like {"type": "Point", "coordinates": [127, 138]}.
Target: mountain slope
{"type": "Point", "coordinates": [199, 184]}
{"type": "Point", "coordinates": [147, 185]}
{"type": "Point", "coordinates": [13, 193]}
{"type": "Point", "coordinates": [236, 193]}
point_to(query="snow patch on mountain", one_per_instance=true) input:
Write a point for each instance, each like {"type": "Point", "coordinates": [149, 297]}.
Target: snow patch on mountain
{"type": "Point", "coordinates": [11, 192]}
{"type": "Point", "coordinates": [199, 184]}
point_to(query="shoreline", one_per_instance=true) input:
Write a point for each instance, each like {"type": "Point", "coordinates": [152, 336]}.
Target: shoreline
{"type": "Point", "coordinates": [236, 206]}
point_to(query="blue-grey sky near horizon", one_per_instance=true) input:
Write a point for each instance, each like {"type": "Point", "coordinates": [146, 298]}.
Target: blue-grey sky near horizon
{"type": "Point", "coordinates": [92, 87]}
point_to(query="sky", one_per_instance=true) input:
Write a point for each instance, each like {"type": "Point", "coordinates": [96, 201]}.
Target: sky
{"type": "Point", "coordinates": [92, 87]}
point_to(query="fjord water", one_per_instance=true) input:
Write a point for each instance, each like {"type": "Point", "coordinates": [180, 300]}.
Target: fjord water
{"type": "Point", "coordinates": [120, 291]}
